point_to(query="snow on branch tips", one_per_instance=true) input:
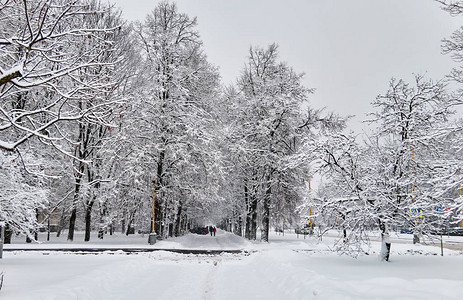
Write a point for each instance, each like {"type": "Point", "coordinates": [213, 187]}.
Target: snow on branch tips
{"type": "Point", "coordinates": [59, 62]}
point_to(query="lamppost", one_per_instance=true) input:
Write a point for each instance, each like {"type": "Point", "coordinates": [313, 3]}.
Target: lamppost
{"type": "Point", "coordinates": [152, 236]}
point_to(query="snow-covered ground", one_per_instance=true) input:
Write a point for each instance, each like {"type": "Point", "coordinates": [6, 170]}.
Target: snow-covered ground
{"type": "Point", "coordinates": [286, 268]}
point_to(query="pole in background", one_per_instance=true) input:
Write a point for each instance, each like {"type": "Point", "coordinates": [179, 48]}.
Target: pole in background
{"type": "Point", "coordinates": [310, 222]}
{"type": "Point", "coordinates": [152, 236]}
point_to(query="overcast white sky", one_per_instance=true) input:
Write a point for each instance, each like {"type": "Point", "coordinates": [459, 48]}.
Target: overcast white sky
{"type": "Point", "coordinates": [349, 50]}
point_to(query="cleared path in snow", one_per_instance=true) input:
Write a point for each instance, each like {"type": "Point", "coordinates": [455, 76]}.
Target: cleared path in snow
{"type": "Point", "coordinates": [222, 241]}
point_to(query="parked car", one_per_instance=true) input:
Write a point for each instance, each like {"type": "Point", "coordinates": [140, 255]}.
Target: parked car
{"type": "Point", "coordinates": [438, 232]}
{"type": "Point", "coordinates": [304, 230]}
{"type": "Point", "coordinates": [199, 230]}
{"type": "Point", "coordinates": [406, 230]}
{"type": "Point", "coordinates": [455, 231]}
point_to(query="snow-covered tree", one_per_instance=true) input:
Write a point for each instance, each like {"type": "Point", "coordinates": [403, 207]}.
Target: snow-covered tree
{"type": "Point", "coordinates": [173, 114]}
{"type": "Point", "coordinates": [412, 120]}
{"type": "Point", "coordinates": [22, 194]}
{"type": "Point", "coordinates": [87, 134]}
{"type": "Point", "coordinates": [59, 65]}
{"type": "Point", "coordinates": [43, 76]}
{"type": "Point", "coordinates": [393, 179]}
{"type": "Point", "coordinates": [454, 7]}
{"type": "Point", "coordinates": [453, 46]}
{"type": "Point", "coordinates": [271, 134]}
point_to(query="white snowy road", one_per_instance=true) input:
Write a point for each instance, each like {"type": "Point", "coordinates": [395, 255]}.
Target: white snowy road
{"type": "Point", "coordinates": [222, 241]}
{"type": "Point", "coordinates": [288, 268]}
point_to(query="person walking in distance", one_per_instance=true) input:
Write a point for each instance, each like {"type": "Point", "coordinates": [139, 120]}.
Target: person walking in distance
{"type": "Point", "coordinates": [211, 230]}
{"type": "Point", "coordinates": [215, 229]}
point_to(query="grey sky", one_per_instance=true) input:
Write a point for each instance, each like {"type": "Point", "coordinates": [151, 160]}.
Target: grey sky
{"type": "Point", "coordinates": [349, 50]}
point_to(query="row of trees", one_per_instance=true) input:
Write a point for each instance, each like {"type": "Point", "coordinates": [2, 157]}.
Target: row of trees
{"type": "Point", "coordinates": [99, 116]}
{"type": "Point", "coordinates": [61, 65]}
{"type": "Point", "coordinates": [101, 119]}
{"type": "Point", "coordinates": [129, 106]}
{"type": "Point", "coordinates": [272, 128]}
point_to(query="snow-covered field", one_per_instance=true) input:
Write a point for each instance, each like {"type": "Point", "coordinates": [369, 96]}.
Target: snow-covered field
{"type": "Point", "coordinates": [286, 268]}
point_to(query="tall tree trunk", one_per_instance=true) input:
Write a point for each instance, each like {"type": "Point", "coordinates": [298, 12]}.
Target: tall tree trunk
{"type": "Point", "coordinates": [239, 230]}
{"type": "Point", "coordinates": [8, 234]}
{"type": "Point", "coordinates": [89, 205]}
{"type": "Point", "coordinates": [36, 230]}
{"type": "Point", "coordinates": [61, 222]}
{"type": "Point", "coordinates": [253, 224]}
{"type": "Point", "coordinates": [266, 210]}
{"type": "Point", "coordinates": [72, 224]}
{"type": "Point", "coordinates": [72, 219]}
{"type": "Point", "coordinates": [251, 217]}
{"type": "Point", "coordinates": [88, 219]}
{"type": "Point", "coordinates": [158, 202]}
{"type": "Point", "coordinates": [185, 222]}
{"type": "Point", "coordinates": [416, 236]}
{"type": "Point", "coordinates": [385, 241]}
{"type": "Point", "coordinates": [178, 220]}
{"type": "Point", "coordinates": [171, 230]}
{"type": "Point", "coordinates": [247, 233]}
{"type": "Point", "coordinates": [129, 227]}
{"type": "Point", "coordinates": [79, 171]}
